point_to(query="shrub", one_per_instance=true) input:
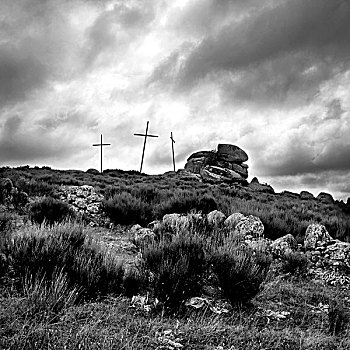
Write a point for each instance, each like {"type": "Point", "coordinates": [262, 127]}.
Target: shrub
{"type": "Point", "coordinates": [177, 267]}
{"type": "Point", "coordinates": [337, 317]}
{"type": "Point", "coordinates": [295, 263]}
{"type": "Point", "coordinates": [48, 298]}
{"type": "Point", "coordinates": [19, 199]}
{"type": "Point", "coordinates": [6, 187]}
{"type": "Point", "coordinates": [92, 269]}
{"type": "Point", "coordinates": [238, 272]}
{"type": "Point", "coordinates": [127, 209]}
{"type": "Point", "coordinates": [6, 223]}
{"type": "Point", "coordinates": [97, 271]}
{"type": "Point", "coordinates": [50, 211]}
{"type": "Point", "coordinates": [207, 204]}
{"type": "Point", "coordinates": [135, 281]}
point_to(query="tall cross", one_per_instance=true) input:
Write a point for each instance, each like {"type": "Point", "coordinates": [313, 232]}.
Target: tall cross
{"type": "Point", "coordinates": [172, 148]}
{"type": "Point", "coordinates": [144, 143]}
{"type": "Point", "coordinates": [101, 144]}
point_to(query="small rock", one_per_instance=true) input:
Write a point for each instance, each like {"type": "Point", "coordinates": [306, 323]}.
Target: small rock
{"type": "Point", "coordinates": [216, 218]}
{"type": "Point", "coordinates": [250, 225]}
{"type": "Point", "coordinates": [316, 235]}
{"type": "Point", "coordinates": [283, 245]}
{"type": "Point", "coordinates": [233, 220]}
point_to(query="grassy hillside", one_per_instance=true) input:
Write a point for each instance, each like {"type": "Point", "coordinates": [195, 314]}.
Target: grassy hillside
{"type": "Point", "coordinates": [69, 286]}
{"type": "Point", "coordinates": [156, 195]}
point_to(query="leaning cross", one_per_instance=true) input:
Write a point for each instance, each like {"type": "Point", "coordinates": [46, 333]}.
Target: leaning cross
{"type": "Point", "coordinates": [144, 143]}
{"type": "Point", "coordinates": [101, 145]}
{"type": "Point", "coordinates": [172, 148]}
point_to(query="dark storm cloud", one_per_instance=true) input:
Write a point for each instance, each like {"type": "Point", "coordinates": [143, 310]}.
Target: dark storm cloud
{"type": "Point", "coordinates": [291, 78]}
{"type": "Point", "coordinates": [292, 46]}
{"type": "Point", "coordinates": [319, 143]}
{"type": "Point", "coordinates": [113, 30]}
{"type": "Point", "coordinates": [20, 73]}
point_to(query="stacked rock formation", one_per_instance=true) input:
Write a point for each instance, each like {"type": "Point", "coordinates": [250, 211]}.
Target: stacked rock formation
{"type": "Point", "coordinates": [225, 165]}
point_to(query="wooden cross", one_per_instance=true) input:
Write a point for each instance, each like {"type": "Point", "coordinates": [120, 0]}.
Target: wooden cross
{"type": "Point", "coordinates": [144, 143]}
{"type": "Point", "coordinates": [172, 148]}
{"type": "Point", "coordinates": [101, 144]}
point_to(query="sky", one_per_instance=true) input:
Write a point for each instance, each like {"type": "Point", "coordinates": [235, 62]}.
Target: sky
{"type": "Point", "coordinates": [270, 76]}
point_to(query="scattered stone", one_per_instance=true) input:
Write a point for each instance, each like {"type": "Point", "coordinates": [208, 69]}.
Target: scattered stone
{"type": "Point", "coordinates": [250, 225]}
{"type": "Point", "coordinates": [283, 245]}
{"type": "Point", "coordinates": [142, 235]}
{"type": "Point", "coordinates": [325, 198]}
{"type": "Point", "coordinates": [176, 222]}
{"type": "Point", "coordinates": [233, 220]}
{"type": "Point", "coordinates": [338, 254]}
{"type": "Point", "coordinates": [216, 218]}
{"type": "Point", "coordinates": [316, 235]}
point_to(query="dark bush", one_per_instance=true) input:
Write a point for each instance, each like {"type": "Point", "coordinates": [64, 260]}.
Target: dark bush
{"type": "Point", "coordinates": [6, 187]}
{"type": "Point", "coordinates": [6, 223]}
{"type": "Point", "coordinates": [207, 204]}
{"type": "Point", "coordinates": [93, 270]}
{"type": "Point", "coordinates": [177, 267]}
{"type": "Point", "coordinates": [127, 209]}
{"type": "Point", "coordinates": [50, 211]}
{"type": "Point", "coordinates": [239, 273]}
{"type": "Point", "coordinates": [337, 317]}
{"type": "Point", "coordinates": [19, 199]}
{"type": "Point", "coordinates": [295, 263]}
{"type": "Point", "coordinates": [135, 281]}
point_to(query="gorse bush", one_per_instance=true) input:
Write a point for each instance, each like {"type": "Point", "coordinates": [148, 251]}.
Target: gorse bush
{"type": "Point", "coordinates": [127, 209]}
{"type": "Point", "coordinates": [177, 267]}
{"type": "Point", "coordinates": [50, 211]}
{"type": "Point", "coordinates": [41, 252]}
{"type": "Point", "coordinates": [239, 272]}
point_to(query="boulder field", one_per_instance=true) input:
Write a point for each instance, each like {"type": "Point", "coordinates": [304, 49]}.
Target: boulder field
{"type": "Point", "coordinates": [328, 259]}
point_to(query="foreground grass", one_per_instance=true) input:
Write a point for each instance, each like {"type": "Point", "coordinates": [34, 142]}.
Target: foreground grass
{"type": "Point", "coordinates": [112, 324]}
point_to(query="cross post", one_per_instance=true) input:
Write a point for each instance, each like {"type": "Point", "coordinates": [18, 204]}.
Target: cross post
{"type": "Point", "coordinates": [144, 143]}
{"type": "Point", "coordinates": [172, 148]}
{"type": "Point", "coordinates": [101, 144]}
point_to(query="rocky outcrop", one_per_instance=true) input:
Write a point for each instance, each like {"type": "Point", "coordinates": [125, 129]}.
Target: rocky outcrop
{"type": "Point", "coordinates": [214, 174]}
{"type": "Point", "coordinates": [325, 198]}
{"type": "Point", "coordinates": [290, 194]}
{"type": "Point", "coordinates": [85, 201]}
{"type": "Point", "coordinates": [199, 160]}
{"type": "Point", "coordinates": [306, 195]}
{"type": "Point", "coordinates": [231, 154]}
{"type": "Point", "coordinates": [225, 165]}
{"type": "Point", "coordinates": [256, 186]}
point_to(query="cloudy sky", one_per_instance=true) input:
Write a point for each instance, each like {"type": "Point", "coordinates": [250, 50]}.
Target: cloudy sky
{"type": "Point", "coordinates": [271, 76]}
